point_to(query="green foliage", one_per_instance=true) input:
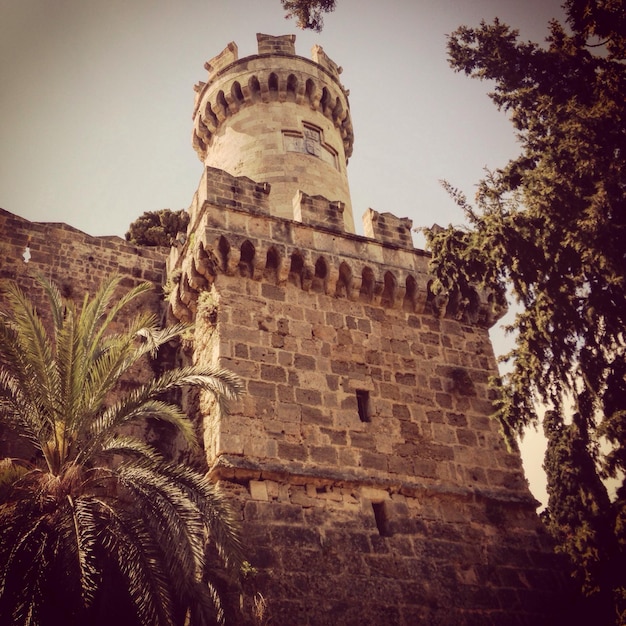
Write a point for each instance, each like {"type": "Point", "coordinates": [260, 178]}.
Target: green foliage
{"type": "Point", "coordinates": [550, 226]}
{"type": "Point", "coordinates": [578, 509]}
{"type": "Point", "coordinates": [308, 13]}
{"type": "Point", "coordinates": [96, 527]}
{"type": "Point", "coordinates": [157, 228]}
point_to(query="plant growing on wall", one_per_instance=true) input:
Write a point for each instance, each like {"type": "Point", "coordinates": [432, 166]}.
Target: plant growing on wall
{"type": "Point", "coordinates": [96, 527]}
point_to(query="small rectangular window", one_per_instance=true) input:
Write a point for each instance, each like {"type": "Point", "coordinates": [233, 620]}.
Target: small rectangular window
{"type": "Point", "coordinates": [363, 404]}
{"type": "Point", "coordinates": [382, 520]}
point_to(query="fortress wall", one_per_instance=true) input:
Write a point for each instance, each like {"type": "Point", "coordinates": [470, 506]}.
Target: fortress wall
{"type": "Point", "coordinates": [373, 486]}
{"type": "Point", "coordinates": [77, 262]}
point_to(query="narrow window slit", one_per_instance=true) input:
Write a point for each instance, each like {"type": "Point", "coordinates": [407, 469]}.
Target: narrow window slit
{"type": "Point", "coordinates": [382, 519]}
{"type": "Point", "coordinates": [363, 404]}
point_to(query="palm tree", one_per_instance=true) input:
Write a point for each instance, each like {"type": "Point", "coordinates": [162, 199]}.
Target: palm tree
{"type": "Point", "coordinates": [97, 527]}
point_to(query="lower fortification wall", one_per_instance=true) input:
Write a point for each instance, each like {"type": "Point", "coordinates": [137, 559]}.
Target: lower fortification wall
{"type": "Point", "coordinates": [414, 513]}
{"type": "Point", "coordinates": [449, 560]}
{"type": "Point", "coordinates": [77, 263]}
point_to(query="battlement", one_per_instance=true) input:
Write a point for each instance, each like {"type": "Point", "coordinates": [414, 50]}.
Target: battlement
{"type": "Point", "coordinates": [318, 211]}
{"type": "Point", "coordinates": [234, 234]}
{"type": "Point", "coordinates": [282, 44]}
{"type": "Point", "coordinates": [388, 228]}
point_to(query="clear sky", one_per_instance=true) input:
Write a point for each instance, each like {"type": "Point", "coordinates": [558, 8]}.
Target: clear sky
{"type": "Point", "coordinates": [96, 100]}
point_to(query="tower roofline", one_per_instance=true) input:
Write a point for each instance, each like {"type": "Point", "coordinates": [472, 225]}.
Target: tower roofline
{"type": "Point", "coordinates": [225, 92]}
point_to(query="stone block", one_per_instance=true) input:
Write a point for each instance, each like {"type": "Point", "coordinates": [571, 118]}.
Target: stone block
{"type": "Point", "coordinates": [258, 490]}
{"type": "Point", "coordinates": [373, 494]}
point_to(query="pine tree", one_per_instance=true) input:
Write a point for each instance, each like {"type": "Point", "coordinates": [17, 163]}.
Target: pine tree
{"type": "Point", "coordinates": [550, 227]}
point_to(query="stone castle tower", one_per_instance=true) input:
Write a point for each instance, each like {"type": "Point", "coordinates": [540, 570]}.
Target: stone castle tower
{"type": "Point", "coordinates": [373, 486]}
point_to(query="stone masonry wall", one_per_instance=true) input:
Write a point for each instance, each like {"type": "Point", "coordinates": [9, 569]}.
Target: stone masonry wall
{"type": "Point", "coordinates": [77, 262]}
{"type": "Point", "coordinates": [373, 486]}
{"type": "Point", "coordinates": [417, 516]}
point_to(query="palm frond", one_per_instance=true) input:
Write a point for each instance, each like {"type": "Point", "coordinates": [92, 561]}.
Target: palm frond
{"type": "Point", "coordinates": [115, 355]}
{"type": "Point", "coordinates": [154, 337]}
{"type": "Point", "coordinates": [22, 561]}
{"type": "Point", "coordinates": [68, 363]}
{"type": "Point", "coordinates": [11, 471]}
{"type": "Point", "coordinates": [85, 528]}
{"type": "Point", "coordinates": [93, 311]}
{"type": "Point", "coordinates": [56, 300]}
{"type": "Point", "coordinates": [16, 412]}
{"type": "Point", "coordinates": [141, 402]}
{"type": "Point", "coordinates": [33, 341]}
{"type": "Point", "coordinates": [223, 526]}
{"type": "Point", "coordinates": [130, 447]}
{"type": "Point", "coordinates": [175, 519]}
{"type": "Point", "coordinates": [139, 560]}
{"type": "Point", "coordinates": [103, 429]}
{"type": "Point", "coordinates": [94, 324]}
{"type": "Point", "coordinates": [207, 609]}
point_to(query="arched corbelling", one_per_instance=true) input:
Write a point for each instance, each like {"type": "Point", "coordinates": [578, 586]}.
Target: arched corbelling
{"type": "Point", "coordinates": [255, 88]}
{"type": "Point", "coordinates": [321, 274]}
{"type": "Point", "coordinates": [296, 270]}
{"type": "Point", "coordinates": [311, 93]}
{"type": "Point", "coordinates": [272, 265]}
{"type": "Point", "coordinates": [223, 249]}
{"type": "Point", "coordinates": [246, 259]}
{"type": "Point", "coordinates": [236, 93]}
{"type": "Point", "coordinates": [292, 88]}
{"type": "Point", "coordinates": [272, 85]}
{"type": "Point", "coordinates": [338, 112]}
{"type": "Point", "coordinates": [221, 110]}
{"type": "Point", "coordinates": [368, 284]}
{"type": "Point", "coordinates": [209, 118]}
{"type": "Point", "coordinates": [325, 103]}
{"type": "Point", "coordinates": [388, 296]}
{"type": "Point", "coordinates": [344, 281]}
{"type": "Point", "coordinates": [410, 296]}
{"type": "Point", "coordinates": [454, 307]}
{"type": "Point", "coordinates": [436, 302]}
{"type": "Point", "coordinates": [206, 262]}
{"type": "Point", "coordinates": [179, 310]}
{"type": "Point", "coordinates": [188, 294]}
{"type": "Point", "coordinates": [196, 280]}
{"type": "Point", "coordinates": [235, 98]}
{"type": "Point", "coordinates": [347, 134]}
{"type": "Point", "coordinates": [275, 86]}
{"type": "Point", "coordinates": [471, 306]}
{"type": "Point", "coordinates": [201, 137]}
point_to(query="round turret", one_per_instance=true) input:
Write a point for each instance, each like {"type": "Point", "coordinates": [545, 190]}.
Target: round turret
{"type": "Point", "coordinates": [279, 118]}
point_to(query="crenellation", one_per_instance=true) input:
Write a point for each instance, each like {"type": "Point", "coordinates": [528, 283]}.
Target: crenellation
{"type": "Point", "coordinates": [227, 56]}
{"type": "Point", "coordinates": [270, 44]}
{"type": "Point", "coordinates": [388, 228]}
{"type": "Point", "coordinates": [337, 272]}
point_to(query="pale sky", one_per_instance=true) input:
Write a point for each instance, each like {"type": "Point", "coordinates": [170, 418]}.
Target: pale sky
{"type": "Point", "coordinates": [96, 101]}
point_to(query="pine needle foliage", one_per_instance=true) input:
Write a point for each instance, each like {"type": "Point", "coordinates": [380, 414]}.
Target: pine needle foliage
{"type": "Point", "coordinates": [157, 228]}
{"type": "Point", "coordinates": [309, 14]}
{"type": "Point", "coordinates": [550, 227]}
{"type": "Point", "coordinates": [97, 527]}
